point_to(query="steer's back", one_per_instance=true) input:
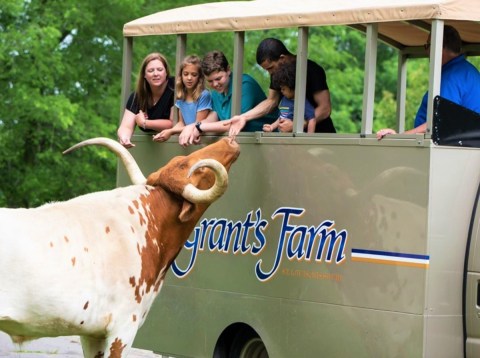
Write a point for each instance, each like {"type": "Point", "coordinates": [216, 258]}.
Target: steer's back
{"type": "Point", "coordinates": [67, 262]}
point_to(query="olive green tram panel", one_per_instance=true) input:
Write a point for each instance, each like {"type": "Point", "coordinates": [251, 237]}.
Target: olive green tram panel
{"type": "Point", "coordinates": [326, 247]}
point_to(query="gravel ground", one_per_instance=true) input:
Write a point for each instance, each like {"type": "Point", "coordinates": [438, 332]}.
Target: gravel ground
{"type": "Point", "coordinates": [64, 347]}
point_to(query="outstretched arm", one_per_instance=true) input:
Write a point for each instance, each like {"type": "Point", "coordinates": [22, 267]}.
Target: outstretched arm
{"type": "Point", "coordinates": [417, 130]}
{"type": "Point", "coordinates": [126, 128]}
{"type": "Point", "coordinates": [236, 123]}
{"type": "Point", "coordinates": [190, 135]}
{"type": "Point", "coordinates": [167, 133]}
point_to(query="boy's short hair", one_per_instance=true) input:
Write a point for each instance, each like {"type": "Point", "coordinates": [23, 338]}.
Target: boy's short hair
{"type": "Point", "coordinates": [214, 61]}
{"type": "Point", "coordinates": [284, 75]}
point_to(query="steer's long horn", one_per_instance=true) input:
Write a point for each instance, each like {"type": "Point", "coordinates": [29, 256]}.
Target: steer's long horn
{"type": "Point", "coordinates": [134, 172]}
{"type": "Point", "coordinates": [197, 196]}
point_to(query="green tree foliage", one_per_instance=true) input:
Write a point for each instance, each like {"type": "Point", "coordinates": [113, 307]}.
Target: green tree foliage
{"type": "Point", "coordinates": [60, 84]}
{"type": "Point", "coordinates": [59, 79]}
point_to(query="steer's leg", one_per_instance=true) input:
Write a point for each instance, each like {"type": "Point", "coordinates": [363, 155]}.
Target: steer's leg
{"type": "Point", "coordinates": [93, 347]}
{"type": "Point", "coordinates": [120, 341]}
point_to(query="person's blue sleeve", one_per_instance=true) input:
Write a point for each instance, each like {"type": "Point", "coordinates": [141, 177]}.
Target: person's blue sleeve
{"type": "Point", "coordinates": [205, 101]}
{"type": "Point", "coordinates": [421, 116]}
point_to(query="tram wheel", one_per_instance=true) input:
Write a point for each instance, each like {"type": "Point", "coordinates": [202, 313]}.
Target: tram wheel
{"type": "Point", "coordinates": [248, 344]}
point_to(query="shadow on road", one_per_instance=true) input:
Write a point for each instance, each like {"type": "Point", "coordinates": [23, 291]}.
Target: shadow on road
{"type": "Point", "coordinates": [65, 347]}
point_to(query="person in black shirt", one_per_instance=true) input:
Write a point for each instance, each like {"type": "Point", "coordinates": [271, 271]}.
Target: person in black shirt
{"type": "Point", "coordinates": [271, 53]}
{"type": "Point", "coordinates": [150, 106]}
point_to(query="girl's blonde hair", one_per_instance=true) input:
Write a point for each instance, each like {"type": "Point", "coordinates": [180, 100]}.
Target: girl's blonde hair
{"type": "Point", "coordinates": [143, 90]}
{"type": "Point", "coordinates": [180, 90]}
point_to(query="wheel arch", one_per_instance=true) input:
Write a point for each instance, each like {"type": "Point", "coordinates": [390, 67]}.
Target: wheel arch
{"type": "Point", "coordinates": [233, 338]}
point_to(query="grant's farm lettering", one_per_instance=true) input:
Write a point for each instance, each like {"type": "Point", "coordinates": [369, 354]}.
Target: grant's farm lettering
{"type": "Point", "coordinates": [315, 243]}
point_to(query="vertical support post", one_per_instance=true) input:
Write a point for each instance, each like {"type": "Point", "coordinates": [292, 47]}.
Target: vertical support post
{"type": "Point", "coordinates": [436, 46]}
{"type": "Point", "coordinates": [126, 84]}
{"type": "Point", "coordinates": [126, 73]}
{"type": "Point", "coordinates": [238, 53]}
{"type": "Point", "coordinates": [300, 80]}
{"type": "Point", "coordinates": [180, 53]}
{"type": "Point", "coordinates": [401, 91]}
{"type": "Point", "coordinates": [369, 81]}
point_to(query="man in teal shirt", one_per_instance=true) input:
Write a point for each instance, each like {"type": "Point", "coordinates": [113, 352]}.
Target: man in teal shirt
{"type": "Point", "coordinates": [219, 77]}
{"type": "Point", "coordinates": [252, 94]}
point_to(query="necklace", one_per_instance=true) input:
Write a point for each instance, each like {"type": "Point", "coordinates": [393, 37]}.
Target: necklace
{"type": "Point", "coordinates": [155, 101]}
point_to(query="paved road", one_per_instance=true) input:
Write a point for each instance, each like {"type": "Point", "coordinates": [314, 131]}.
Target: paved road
{"type": "Point", "coordinates": [64, 347]}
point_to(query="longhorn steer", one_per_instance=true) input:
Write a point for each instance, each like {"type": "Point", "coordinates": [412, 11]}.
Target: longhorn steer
{"type": "Point", "coordinates": [92, 266]}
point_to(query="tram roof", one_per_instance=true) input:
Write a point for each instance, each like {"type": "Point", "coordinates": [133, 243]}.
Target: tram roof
{"type": "Point", "coordinates": [401, 22]}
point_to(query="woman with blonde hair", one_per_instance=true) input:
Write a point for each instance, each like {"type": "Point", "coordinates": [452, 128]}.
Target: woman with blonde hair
{"type": "Point", "coordinates": [193, 101]}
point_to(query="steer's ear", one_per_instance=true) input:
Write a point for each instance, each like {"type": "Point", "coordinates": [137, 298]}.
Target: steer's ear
{"type": "Point", "coordinates": [187, 211]}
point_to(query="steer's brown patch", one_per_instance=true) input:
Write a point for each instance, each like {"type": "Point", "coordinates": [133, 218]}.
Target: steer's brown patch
{"type": "Point", "coordinates": [66, 239]}
{"type": "Point", "coordinates": [130, 209]}
{"type": "Point", "coordinates": [136, 204]}
{"type": "Point", "coordinates": [51, 244]}
{"type": "Point", "coordinates": [85, 306]}
{"type": "Point", "coordinates": [107, 229]}
{"type": "Point", "coordinates": [150, 258]}
{"type": "Point", "coordinates": [141, 218]}
{"type": "Point", "coordinates": [162, 232]}
{"type": "Point", "coordinates": [138, 297]}
{"type": "Point", "coordinates": [73, 261]}
{"type": "Point", "coordinates": [134, 317]}
{"type": "Point", "coordinates": [116, 348]}
{"type": "Point", "coordinates": [85, 249]}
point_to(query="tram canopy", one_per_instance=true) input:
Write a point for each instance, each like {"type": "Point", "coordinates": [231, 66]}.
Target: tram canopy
{"type": "Point", "coordinates": [402, 23]}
